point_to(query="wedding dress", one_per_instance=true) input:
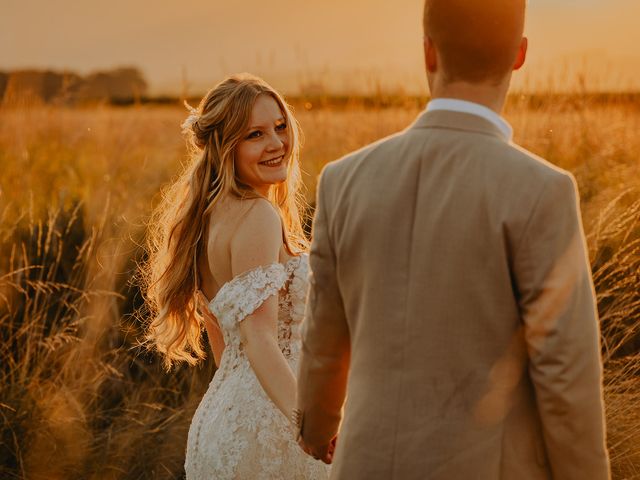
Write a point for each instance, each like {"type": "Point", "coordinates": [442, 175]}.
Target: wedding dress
{"type": "Point", "coordinates": [237, 432]}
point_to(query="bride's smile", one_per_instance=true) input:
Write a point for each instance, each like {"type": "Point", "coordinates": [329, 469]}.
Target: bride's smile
{"type": "Point", "coordinates": [263, 153]}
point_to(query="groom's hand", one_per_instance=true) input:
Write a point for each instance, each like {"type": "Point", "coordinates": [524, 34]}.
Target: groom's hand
{"type": "Point", "coordinates": [324, 453]}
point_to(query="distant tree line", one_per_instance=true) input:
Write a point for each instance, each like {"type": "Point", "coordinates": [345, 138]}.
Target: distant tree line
{"type": "Point", "coordinates": [119, 85]}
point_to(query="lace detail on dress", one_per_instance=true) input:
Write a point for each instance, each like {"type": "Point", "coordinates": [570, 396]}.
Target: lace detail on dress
{"type": "Point", "coordinates": [240, 297]}
{"type": "Point", "coordinates": [237, 432]}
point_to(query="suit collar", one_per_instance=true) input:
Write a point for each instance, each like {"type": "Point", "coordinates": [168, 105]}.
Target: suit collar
{"type": "Point", "coordinates": [464, 122]}
{"type": "Point", "coordinates": [465, 106]}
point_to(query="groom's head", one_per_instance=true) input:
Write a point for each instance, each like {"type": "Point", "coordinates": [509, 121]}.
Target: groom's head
{"type": "Point", "coordinates": [474, 41]}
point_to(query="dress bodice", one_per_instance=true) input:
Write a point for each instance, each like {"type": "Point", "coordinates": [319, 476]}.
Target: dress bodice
{"type": "Point", "coordinates": [241, 296]}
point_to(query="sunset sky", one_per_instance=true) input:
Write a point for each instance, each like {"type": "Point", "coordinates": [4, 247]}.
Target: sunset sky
{"type": "Point", "coordinates": [347, 45]}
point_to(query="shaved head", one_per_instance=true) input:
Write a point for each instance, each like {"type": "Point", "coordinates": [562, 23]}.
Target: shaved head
{"type": "Point", "coordinates": [476, 40]}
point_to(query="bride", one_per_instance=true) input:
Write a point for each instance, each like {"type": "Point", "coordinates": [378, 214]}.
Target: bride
{"type": "Point", "coordinates": [228, 232]}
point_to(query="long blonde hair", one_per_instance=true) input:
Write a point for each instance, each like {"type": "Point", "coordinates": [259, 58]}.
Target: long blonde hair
{"type": "Point", "coordinates": [176, 231]}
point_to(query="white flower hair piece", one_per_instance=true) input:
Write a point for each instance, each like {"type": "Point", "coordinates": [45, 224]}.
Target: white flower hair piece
{"type": "Point", "coordinates": [191, 119]}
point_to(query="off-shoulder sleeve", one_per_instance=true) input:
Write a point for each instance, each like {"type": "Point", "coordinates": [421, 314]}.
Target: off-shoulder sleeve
{"type": "Point", "coordinates": [242, 296]}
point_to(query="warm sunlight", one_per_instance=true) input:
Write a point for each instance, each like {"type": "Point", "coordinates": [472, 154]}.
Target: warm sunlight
{"type": "Point", "coordinates": [354, 45]}
{"type": "Point", "coordinates": [300, 239]}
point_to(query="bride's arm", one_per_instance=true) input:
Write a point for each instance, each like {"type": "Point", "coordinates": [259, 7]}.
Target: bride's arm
{"type": "Point", "coordinates": [260, 339]}
{"type": "Point", "coordinates": [257, 242]}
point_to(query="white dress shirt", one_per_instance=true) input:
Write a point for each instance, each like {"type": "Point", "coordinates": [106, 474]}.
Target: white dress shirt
{"type": "Point", "coordinates": [463, 106]}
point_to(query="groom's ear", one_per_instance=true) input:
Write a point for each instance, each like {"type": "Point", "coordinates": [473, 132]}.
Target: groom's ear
{"type": "Point", "coordinates": [522, 53]}
{"type": "Point", "coordinates": [430, 55]}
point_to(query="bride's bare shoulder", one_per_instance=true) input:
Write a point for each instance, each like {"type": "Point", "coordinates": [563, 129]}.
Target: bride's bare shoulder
{"type": "Point", "coordinates": [258, 238]}
{"type": "Point", "coordinates": [246, 224]}
{"type": "Point", "coordinates": [231, 217]}
{"type": "Point", "coordinates": [233, 214]}
{"type": "Point", "coordinates": [258, 217]}
{"type": "Point", "coordinates": [242, 234]}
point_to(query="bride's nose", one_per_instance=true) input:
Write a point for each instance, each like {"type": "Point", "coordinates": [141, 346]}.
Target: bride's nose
{"type": "Point", "coordinates": [275, 142]}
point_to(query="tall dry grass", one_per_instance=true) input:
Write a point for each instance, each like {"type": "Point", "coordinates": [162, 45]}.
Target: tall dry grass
{"type": "Point", "coordinates": [80, 399]}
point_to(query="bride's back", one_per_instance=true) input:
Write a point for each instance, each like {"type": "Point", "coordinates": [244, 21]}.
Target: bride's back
{"type": "Point", "coordinates": [221, 230]}
{"type": "Point", "coordinates": [214, 265]}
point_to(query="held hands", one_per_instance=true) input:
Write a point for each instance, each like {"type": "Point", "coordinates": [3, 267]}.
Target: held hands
{"type": "Point", "coordinates": [324, 453]}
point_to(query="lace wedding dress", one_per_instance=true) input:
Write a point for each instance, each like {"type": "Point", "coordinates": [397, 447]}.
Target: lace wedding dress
{"type": "Point", "coordinates": [237, 432]}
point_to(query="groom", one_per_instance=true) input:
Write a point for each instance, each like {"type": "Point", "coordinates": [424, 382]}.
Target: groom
{"type": "Point", "coordinates": [451, 301]}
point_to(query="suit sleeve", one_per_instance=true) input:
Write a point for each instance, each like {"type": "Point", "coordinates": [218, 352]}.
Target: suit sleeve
{"type": "Point", "coordinates": [324, 363]}
{"type": "Point", "coordinates": [557, 304]}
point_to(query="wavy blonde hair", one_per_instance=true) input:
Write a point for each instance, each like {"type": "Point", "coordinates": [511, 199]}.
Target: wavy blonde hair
{"type": "Point", "coordinates": [176, 231]}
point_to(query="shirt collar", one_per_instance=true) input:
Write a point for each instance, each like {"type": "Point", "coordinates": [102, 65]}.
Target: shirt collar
{"type": "Point", "coordinates": [463, 106]}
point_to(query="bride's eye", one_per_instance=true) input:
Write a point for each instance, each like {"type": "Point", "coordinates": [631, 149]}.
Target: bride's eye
{"type": "Point", "coordinates": [254, 134]}
{"type": "Point", "coordinates": [281, 126]}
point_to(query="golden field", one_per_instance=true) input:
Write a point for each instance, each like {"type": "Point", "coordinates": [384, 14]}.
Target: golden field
{"type": "Point", "coordinates": [79, 397]}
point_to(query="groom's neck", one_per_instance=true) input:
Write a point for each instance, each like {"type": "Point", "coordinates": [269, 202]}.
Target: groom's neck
{"type": "Point", "coordinates": [489, 95]}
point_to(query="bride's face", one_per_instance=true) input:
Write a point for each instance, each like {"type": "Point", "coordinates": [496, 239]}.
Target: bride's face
{"type": "Point", "coordinates": [263, 153]}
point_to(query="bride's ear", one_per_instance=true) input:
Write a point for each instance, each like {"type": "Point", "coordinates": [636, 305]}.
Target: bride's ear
{"type": "Point", "coordinates": [522, 53]}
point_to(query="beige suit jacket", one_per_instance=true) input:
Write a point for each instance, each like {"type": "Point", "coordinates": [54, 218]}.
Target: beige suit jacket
{"type": "Point", "coordinates": [451, 304]}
